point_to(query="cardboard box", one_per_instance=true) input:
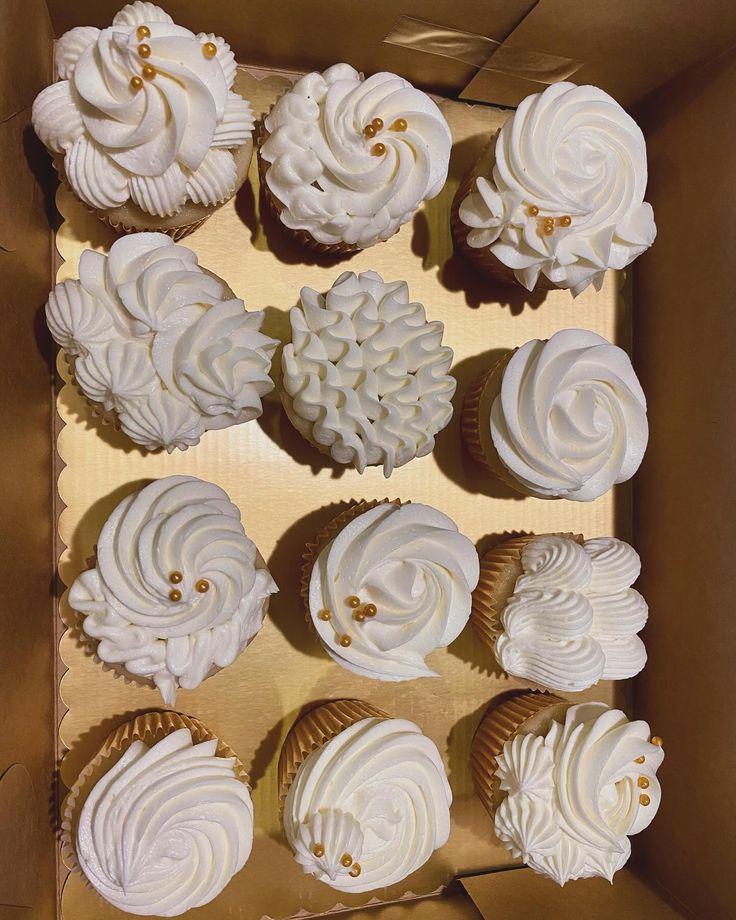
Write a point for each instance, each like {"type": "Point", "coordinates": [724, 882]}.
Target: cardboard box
{"type": "Point", "coordinates": [666, 63]}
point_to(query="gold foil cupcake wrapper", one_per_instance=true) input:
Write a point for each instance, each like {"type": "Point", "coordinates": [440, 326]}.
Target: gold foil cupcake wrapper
{"type": "Point", "coordinates": [518, 713]}
{"type": "Point", "coordinates": [149, 727]}
{"type": "Point", "coordinates": [314, 729]}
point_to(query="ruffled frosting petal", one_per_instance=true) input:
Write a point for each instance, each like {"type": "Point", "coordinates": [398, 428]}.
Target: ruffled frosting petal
{"type": "Point", "coordinates": [162, 195]}
{"type": "Point", "coordinates": [70, 47]}
{"type": "Point", "coordinates": [55, 116]}
{"type": "Point", "coordinates": [93, 175]}
{"type": "Point", "coordinates": [215, 179]}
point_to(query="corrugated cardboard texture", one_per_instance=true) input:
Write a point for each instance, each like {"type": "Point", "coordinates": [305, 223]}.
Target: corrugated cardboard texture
{"type": "Point", "coordinates": [26, 615]}
{"type": "Point", "coordinates": [287, 491]}
{"type": "Point", "coordinates": [685, 496]}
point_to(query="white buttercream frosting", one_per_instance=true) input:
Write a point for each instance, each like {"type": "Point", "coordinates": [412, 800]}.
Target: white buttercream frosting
{"type": "Point", "coordinates": [329, 175]}
{"type": "Point", "coordinates": [376, 793]}
{"type": "Point", "coordinates": [571, 418]}
{"type": "Point", "coordinates": [183, 535]}
{"type": "Point", "coordinates": [573, 616]}
{"type": "Point", "coordinates": [573, 798]}
{"type": "Point", "coordinates": [410, 563]}
{"type": "Point", "coordinates": [366, 376]}
{"type": "Point", "coordinates": [166, 828]}
{"type": "Point", "coordinates": [570, 152]}
{"type": "Point", "coordinates": [159, 144]}
{"type": "Point", "coordinates": [161, 342]}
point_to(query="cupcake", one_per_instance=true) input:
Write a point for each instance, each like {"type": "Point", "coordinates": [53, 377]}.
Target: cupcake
{"type": "Point", "coordinates": [159, 346]}
{"type": "Point", "coordinates": [345, 161]}
{"type": "Point", "coordinates": [177, 589]}
{"type": "Point", "coordinates": [364, 797]}
{"type": "Point", "coordinates": [161, 819]}
{"type": "Point", "coordinates": [562, 418]}
{"type": "Point", "coordinates": [366, 377]}
{"type": "Point", "coordinates": [143, 122]}
{"type": "Point", "coordinates": [566, 785]}
{"type": "Point", "coordinates": [385, 584]}
{"type": "Point", "coordinates": [557, 197]}
{"type": "Point", "coordinates": [560, 612]}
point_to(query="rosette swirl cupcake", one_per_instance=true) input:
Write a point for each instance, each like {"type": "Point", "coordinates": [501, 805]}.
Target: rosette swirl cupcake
{"type": "Point", "coordinates": [560, 611]}
{"type": "Point", "coordinates": [366, 376]}
{"type": "Point", "coordinates": [177, 590]}
{"type": "Point", "coordinates": [385, 584]}
{"type": "Point", "coordinates": [566, 785]}
{"type": "Point", "coordinates": [345, 161]}
{"type": "Point", "coordinates": [557, 198]}
{"type": "Point", "coordinates": [158, 345]}
{"type": "Point", "coordinates": [161, 819]}
{"type": "Point", "coordinates": [143, 121]}
{"type": "Point", "coordinates": [562, 418]}
{"type": "Point", "coordinates": [365, 799]}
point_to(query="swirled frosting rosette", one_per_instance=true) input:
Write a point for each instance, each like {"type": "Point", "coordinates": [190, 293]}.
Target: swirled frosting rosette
{"type": "Point", "coordinates": [559, 193]}
{"type": "Point", "coordinates": [144, 120]}
{"type": "Point", "coordinates": [563, 418]}
{"type": "Point", "coordinates": [568, 785]}
{"type": "Point", "coordinates": [158, 344]}
{"type": "Point", "coordinates": [368, 800]}
{"type": "Point", "coordinates": [366, 376]}
{"type": "Point", "coordinates": [385, 584]}
{"type": "Point", "coordinates": [161, 820]}
{"type": "Point", "coordinates": [348, 160]}
{"type": "Point", "coordinates": [177, 590]}
{"type": "Point", "coordinates": [560, 612]}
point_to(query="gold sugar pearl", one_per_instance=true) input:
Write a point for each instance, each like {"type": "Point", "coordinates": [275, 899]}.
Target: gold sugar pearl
{"type": "Point", "coordinates": [564, 221]}
{"type": "Point", "coordinates": [399, 125]}
{"type": "Point", "coordinates": [346, 860]}
{"type": "Point", "coordinates": [175, 595]}
{"type": "Point", "coordinates": [176, 578]}
{"type": "Point", "coordinates": [370, 610]}
{"type": "Point", "coordinates": [202, 586]}
{"type": "Point", "coordinates": [640, 759]}
{"type": "Point", "coordinates": [352, 601]}
{"type": "Point", "coordinates": [369, 131]}
{"type": "Point", "coordinates": [377, 123]}
{"type": "Point", "coordinates": [359, 616]}
{"type": "Point", "coordinates": [378, 150]}
{"type": "Point", "coordinates": [345, 641]}
{"type": "Point", "coordinates": [144, 51]}
{"type": "Point", "coordinates": [548, 228]}
{"type": "Point", "coordinates": [143, 32]}
{"type": "Point", "coordinates": [355, 871]}
{"type": "Point", "coordinates": [324, 615]}
{"type": "Point", "coordinates": [644, 799]}
{"type": "Point", "coordinates": [532, 210]}
{"type": "Point", "coordinates": [209, 49]}
{"type": "Point", "coordinates": [136, 84]}
{"type": "Point", "coordinates": [148, 72]}
{"type": "Point", "coordinates": [642, 782]}
{"type": "Point", "coordinates": [318, 850]}
{"type": "Point", "coordinates": [657, 741]}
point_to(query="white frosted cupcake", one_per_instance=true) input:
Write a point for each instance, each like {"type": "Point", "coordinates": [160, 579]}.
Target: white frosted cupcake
{"type": "Point", "coordinates": [365, 799]}
{"type": "Point", "coordinates": [345, 161]}
{"type": "Point", "coordinates": [161, 819]}
{"type": "Point", "coordinates": [143, 121]}
{"type": "Point", "coordinates": [566, 785]}
{"type": "Point", "coordinates": [557, 198]}
{"type": "Point", "coordinates": [562, 418]}
{"type": "Point", "coordinates": [177, 590]}
{"type": "Point", "coordinates": [366, 377]}
{"type": "Point", "coordinates": [158, 345]}
{"type": "Point", "coordinates": [560, 612]}
{"type": "Point", "coordinates": [387, 583]}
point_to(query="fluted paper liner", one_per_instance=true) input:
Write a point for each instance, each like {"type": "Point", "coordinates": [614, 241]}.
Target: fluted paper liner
{"type": "Point", "coordinates": [524, 713]}
{"type": "Point", "coordinates": [150, 727]}
{"type": "Point", "coordinates": [312, 730]}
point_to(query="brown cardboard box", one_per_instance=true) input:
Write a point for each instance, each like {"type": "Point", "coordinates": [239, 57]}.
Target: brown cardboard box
{"type": "Point", "coordinates": [665, 58]}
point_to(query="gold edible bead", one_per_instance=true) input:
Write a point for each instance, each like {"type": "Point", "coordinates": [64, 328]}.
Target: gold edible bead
{"type": "Point", "coordinates": [377, 124]}
{"type": "Point", "coordinates": [174, 595]}
{"type": "Point", "coordinates": [144, 51]}
{"type": "Point", "coordinates": [369, 131]}
{"type": "Point", "coordinates": [370, 610]}
{"type": "Point", "coordinates": [176, 578]}
{"type": "Point", "coordinates": [202, 586]}
{"type": "Point", "coordinates": [640, 759]}
{"type": "Point", "coordinates": [355, 871]}
{"type": "Point", "coordinates": [656, 740]}
{"type": "Point", "coordinates": [324, 615]}
{"type": "Point", "coordinates": [548, 229]}
{"type": "Point", "coordinates": [346, 860]}
{"type": "Point", "coordinates": [148, 72]}
{"type": "Point", "coordinates": [136, 84]}
{"type": "Point", "coordinates": [642, 782]}
{"type": "Point", "coordinates": [378, 150]}
{"type": "Point", "coordinates": [399, 125]}
{"type": "Point", "coordinates": [353, 601]}
{"type": "Point", "coordinates": [644, 799]}
{"type": "Point", "coordinates": [143, 32]}
{"type": "Point", "coordinates": [564, 221]}
{"type": "Point", "coordinates": [209, 49]}
{"type": "Point", "coordinates": [359, 616]}
{"type": "Point", "coordinates": [318, 850]}
{"type": "Point", "coordinates": [345, 641]}
{"type": "Point", "coordinates": [532, 210]}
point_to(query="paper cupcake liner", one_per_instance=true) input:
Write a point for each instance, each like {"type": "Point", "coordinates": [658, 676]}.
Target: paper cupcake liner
{"type": "Point", "coordinates": [150, 727]}
{"type": "Point", "coordinates": [312, 730]}
{"type": "Point", "coordinates": [525, 713]}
